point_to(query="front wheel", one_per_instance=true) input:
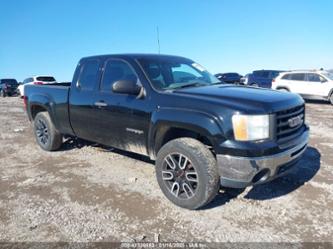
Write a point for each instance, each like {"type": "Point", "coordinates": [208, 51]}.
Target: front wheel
{"type": "Point", "coordinates": [47, 137]}
{"type": "Point", "coordinates": [187, 174]}
{"type": "Point", "coordinates": [331, 99]}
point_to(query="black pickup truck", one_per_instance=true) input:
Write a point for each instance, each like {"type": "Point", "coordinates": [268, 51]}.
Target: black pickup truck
{"type": "Point", "coordinates": [202, 133]}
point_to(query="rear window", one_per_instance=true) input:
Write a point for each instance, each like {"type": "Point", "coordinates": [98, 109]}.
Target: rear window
{"type": "Point", "coordinates": [45, 79]}
{"type": "Point", "coordinates": [89, 75]}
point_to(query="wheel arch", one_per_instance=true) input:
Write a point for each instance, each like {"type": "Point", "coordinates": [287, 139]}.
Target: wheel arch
{"type": "Point", "coordinates": [330, 93]}
{"type": "Point", "coordinates": [283, 87]}
{"type": "Point", "coordinates": [199, 126]}
{"type": "Point", "coordinates": [40, 103]}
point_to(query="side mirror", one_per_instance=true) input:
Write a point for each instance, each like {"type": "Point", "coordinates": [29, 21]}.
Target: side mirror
{"type": "Point", "coordinates": [126, 87]}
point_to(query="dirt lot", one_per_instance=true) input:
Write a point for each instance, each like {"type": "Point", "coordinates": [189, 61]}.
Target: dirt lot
{"type": "Point", "coordinates": [93, 193]}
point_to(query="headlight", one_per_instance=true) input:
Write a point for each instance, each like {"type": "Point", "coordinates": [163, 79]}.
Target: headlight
{"type": "Point", "coordinates": [250, 127]}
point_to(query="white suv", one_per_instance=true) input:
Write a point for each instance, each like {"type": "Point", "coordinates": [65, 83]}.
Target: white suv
{"type": "Point", "coordinates": [37, 80]}
{"type": "Point", "coordinates": [309, 84]}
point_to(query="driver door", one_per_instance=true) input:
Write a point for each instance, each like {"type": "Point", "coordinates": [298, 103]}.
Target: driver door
{"type": "Point", "coordinates": [122, 118]}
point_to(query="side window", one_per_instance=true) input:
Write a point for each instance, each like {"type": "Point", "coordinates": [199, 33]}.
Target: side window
{"type": "Point", "coordinates": [155, 73]}
{"type": "Point", "coordinates": [116, 70]}
{"type": "Point", "coordinates": [286, 77]}
{"type": "Point", "coordinates": [258, 73]}
{"type": "Point", "coordinates": [313, 77]}
{"type": "Point", "coordinates": [298, 76]}
{"type": "Point", "coordinates": [265, 74]}
{"type": "Point", "coordinates": [89, 75]}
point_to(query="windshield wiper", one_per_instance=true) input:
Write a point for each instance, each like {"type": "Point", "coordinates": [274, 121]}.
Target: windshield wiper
{"type": "Point", "coordinates": [194, 84]}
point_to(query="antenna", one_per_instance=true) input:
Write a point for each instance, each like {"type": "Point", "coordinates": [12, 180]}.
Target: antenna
{"type": "Point", "coordinates": [158, 39]}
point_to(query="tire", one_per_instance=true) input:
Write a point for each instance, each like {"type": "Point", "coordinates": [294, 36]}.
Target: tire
{"type": "Point", "coordinates": [47, 137]}
{"type": "Point", "coordinates": [2, 94]}
{"type": "Point", "coordinates": [188, 163]}
{"type": "Point", "coordinates": [331, 99]}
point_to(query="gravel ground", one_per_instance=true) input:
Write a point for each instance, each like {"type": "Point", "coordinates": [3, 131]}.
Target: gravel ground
{"type": "Point", "coordinates": [91, 193]}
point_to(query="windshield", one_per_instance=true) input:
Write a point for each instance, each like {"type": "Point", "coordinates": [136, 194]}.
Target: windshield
{"type": "Point", "coordinates": [45, 79]}
{"type": "Point", "coordinates": [167, 73]}
{"type": "Point", "coordinates": [328, 75]}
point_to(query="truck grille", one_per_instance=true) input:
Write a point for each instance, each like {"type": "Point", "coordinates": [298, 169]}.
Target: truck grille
{"type": "Point", "coordinates": [290, 123]}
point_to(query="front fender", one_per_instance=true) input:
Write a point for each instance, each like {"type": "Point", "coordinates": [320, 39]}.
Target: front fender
{"type": "Point", "coordinates": [199, 122]}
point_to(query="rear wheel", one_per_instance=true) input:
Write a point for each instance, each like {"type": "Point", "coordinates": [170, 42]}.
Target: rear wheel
{"type": "Point", "coordinates": [2, 94]}
{"type": "Point", "coordinates": [47, 137]}
{"type": "Point", "coordinates": [187, 173]}
{"type": "Point", "coordinates": [331, 99]}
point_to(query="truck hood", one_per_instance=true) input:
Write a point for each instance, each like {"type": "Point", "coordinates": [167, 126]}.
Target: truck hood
{"type": "Point", "coordinates": [244, 98]}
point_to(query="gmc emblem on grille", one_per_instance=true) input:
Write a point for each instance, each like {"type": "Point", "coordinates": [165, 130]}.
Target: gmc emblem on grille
{"type": "Point", "coordinates": [295, 121]}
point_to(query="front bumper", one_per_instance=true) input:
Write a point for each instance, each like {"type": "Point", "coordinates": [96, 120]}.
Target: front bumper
{"type": "Point", "coordinates": [240, 172]}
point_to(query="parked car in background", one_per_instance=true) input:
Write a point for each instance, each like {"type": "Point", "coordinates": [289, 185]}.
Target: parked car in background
{"type": "Point", "coordinates": [200, 132]}
{"type": "Point", "coordinates": [8, 87]}
{"type": "Point", "coordinates": [261, 78]}
{"type": "Point", "coordinates": [36, 80]}
{"type": "Point", "coordinates": [234, 78]}
{"type": "Point", "coordinates": [309, 84]}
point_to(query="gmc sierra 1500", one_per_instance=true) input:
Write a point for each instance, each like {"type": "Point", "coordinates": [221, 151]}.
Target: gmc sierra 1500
{"type": "Point", "coordinates": [201, 133]}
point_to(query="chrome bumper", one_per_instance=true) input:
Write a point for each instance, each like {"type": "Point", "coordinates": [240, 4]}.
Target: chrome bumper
{"type": "Point", "coordinates": [240, 172]}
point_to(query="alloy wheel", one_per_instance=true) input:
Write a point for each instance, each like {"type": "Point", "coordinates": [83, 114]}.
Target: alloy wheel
{"type": "Point", "coordinates": [42, 132]}
{"type": "Point", "coordinates": [180, 176]}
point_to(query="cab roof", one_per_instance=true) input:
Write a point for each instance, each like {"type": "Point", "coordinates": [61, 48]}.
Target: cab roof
{"type": "Point", "coordinates": [133, 56]}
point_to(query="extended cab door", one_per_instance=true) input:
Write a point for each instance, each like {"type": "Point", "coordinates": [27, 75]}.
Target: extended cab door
{"type": "Point", "coordinates": [122, 120]}
{"type": "Point", "coordinates": [81, 99]}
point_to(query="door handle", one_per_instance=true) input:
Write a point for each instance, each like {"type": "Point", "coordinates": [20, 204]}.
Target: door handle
{"type": "Point", "coordinates": [101, 104]}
